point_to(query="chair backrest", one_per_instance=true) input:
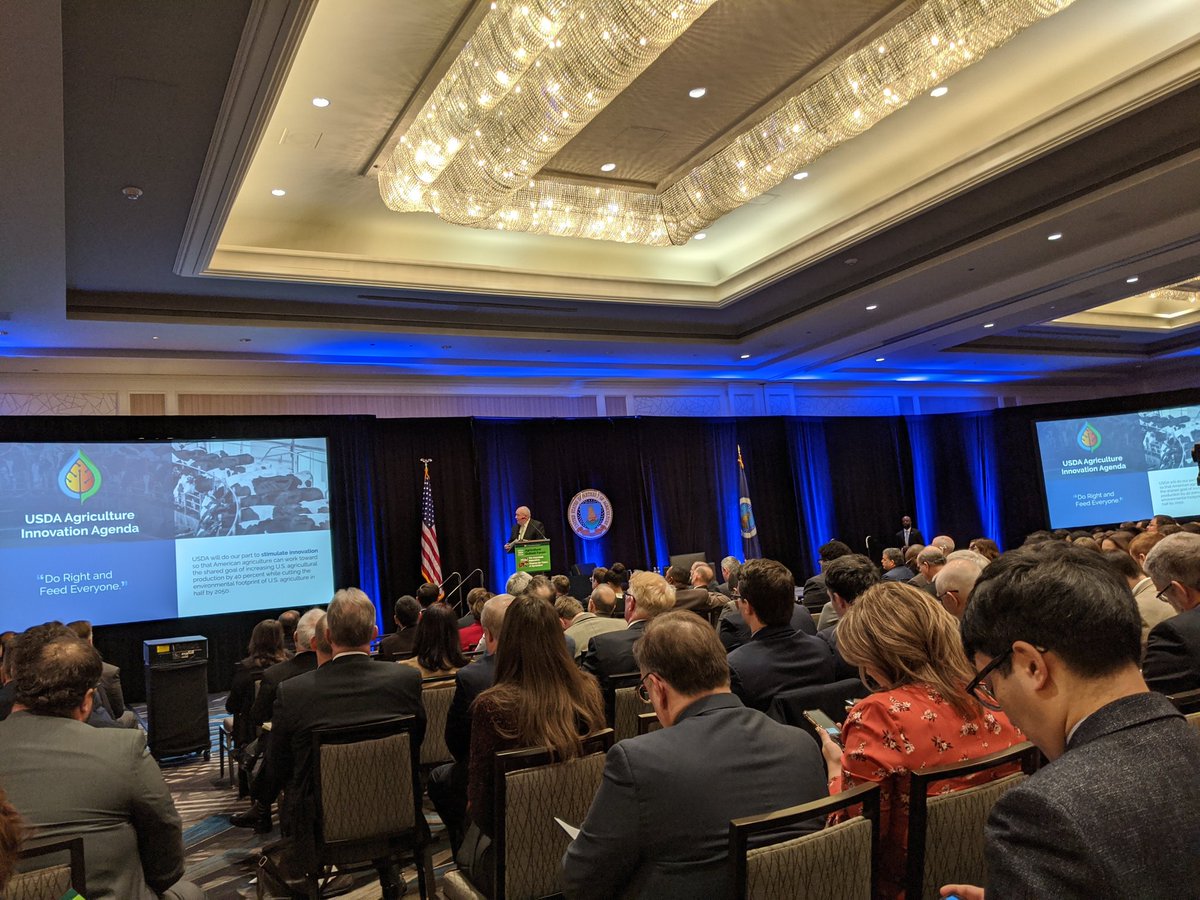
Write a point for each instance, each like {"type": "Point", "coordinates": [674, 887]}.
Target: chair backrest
{"type": "Point", "coordinates": [834, 863]}
{"type": "Point", "coordinates": [788, 707]}
{"type": "Point", "coordinates": [648, 722]}
{"type": "Point", "coordinates": [364, 777]}
{"type": "Point", "coordinates": [1186, 701]}
{"type": "Point", "coordinates": [531, 789]}
{"type": "Point", "coordinates": [1194, 719]}
{"type": "Point", "coordinates": [437, 694]}
{"type": "Point", "coordinates": [627, 704]}
{"type": "Point", "coordinates": [945, 831]}
{"type": "Point", "coordinates": [52, 881]}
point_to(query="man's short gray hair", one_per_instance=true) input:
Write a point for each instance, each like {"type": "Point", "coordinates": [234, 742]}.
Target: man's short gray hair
{"type": "Point", "coordinates": [307, 626]}
{"type": "Point", "coordinates": [731, 567]}
{"type": "Point", "coordinates": [351, 618]}
{"type": "Point", "coordinates": [1175, 558]}
{"type": "Point", "coordinates": [895, 554]}
{"type": "Point", "coordinates": [931, 555]}
{"type": "Point", "coordinates": [957, 575]}
{"type": "Point", "coordinates": [517, 583]}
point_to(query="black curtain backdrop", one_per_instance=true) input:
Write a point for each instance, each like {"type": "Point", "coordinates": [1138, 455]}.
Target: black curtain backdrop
{"type": "Point", "coordinates": [672, 484]}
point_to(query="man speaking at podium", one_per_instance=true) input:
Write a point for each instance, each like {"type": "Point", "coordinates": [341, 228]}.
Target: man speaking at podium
{"type": "Point", "coordinates": [526, 529]}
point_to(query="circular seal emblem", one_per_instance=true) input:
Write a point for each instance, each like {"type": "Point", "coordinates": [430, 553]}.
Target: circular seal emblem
{"type": "Point", "coordinates": [590, 514]}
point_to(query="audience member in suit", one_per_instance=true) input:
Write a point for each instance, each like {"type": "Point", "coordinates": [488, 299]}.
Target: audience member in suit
{"type": "Point", "coordinates": [448, 783]}
{"type": "Point", "coordinates": [1115, 813]}
{"type": "Point", "coordinates": [815, 596]}
{"type": "Point", "coordinates": [438, 652]}
{"type": "Point", "coordinates": [943, 542]}
{"type": "Point", "coordinates": [539, 699]}
{"type": "Point", "coordinates": [697, 599]}
{"type": "Point", "coordinates": [1172, 662]}
{"type": "Point", "coordinates": [264, 651]}
{"type": "Point", "coordinates": [704, 578]}
{"type": "Point", "coordinates": [305, 660]}
{"type": "Point", "coordinates": [401, 644]}
{"type": "Point", "coordinates": [908, 533]}
{"type": "Point", "coordinates": [929, 562]}
{"type": "Point", "coordinates": [847, 577]}
{"type": "Point", "coordinates": [350, 689]}
{"type": "Point", "coordinates": [615, 581]}
{"type": "Point", "coordinates": [109, 693]}
{"type": "Point", "coordinates": [611, 654]}
{"type": "Point", "coordinates": [428, 594]}
{"type": "Point", "coordinates": [68, 780]}
{"type": "Point", "coordinates": [777, 657]}
{"type": "Point", "coordinates": [919, 715]}
{"type": "Point", "coordinates": [733, 630]}
{"type": "Point", "coordinates": [597, 619]}
{"type": "Point", "coordinates": [288, 621]}
{"type": "Point", "coordinates": [659, 825]}
{"type": "Point", "coordinates": [524, 529]}
{"type": "Point", "coordinates": [894, 568]}
{"type": "Point", "coordinates": [731, 568]}
{"type": "Point", "coordinates": [954, 583]}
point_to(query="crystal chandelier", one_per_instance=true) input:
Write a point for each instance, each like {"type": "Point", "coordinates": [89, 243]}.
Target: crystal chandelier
{"type": "Point", "coordinates": [537, 71]}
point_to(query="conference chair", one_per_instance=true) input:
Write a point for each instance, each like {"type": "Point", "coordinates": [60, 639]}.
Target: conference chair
{"type": "Point", "coordinates": [53, 880]}
{"type": "Point", "coordinates": [436, 694]}
{"type": "Point", "coordinates": [530, 790]}
{"type": "Point", "coordinates": [627, 705]}
{"type": "Point", "coordinates": [1186, 701]}
{"type": "Point", "coordinates": [945, 831]}
{"type": "Point", "coordinates": [367, 800]}
{"type": "Point", "coordinates": [648, 722]}
{"type": "Point", "coordinates": [835, 863]}
{"type": "Point", "coordinates": [226, 745]}
{"type": "Point", "coordinates": [788, 706]}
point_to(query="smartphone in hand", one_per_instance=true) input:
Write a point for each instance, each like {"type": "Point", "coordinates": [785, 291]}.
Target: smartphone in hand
{"type": "Point", "coordinates": [822, 722]}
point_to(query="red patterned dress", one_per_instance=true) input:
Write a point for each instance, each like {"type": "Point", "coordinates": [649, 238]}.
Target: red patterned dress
{"type": "Point", "coordinates": [912, 728]}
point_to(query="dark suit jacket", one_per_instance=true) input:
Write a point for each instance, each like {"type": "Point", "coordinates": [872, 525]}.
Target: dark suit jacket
{"type": "Point", "coordinates": [659, 826]}
{"type": "Point", "coordinates": [110, 680]}
{"type": "Point", "coordinates": [1172, 661]}
{"type": "Point", "coordinates": [899, 573]}
{"type": "Point", "coordinates": [815, 593]}
{"type": "Point", "coordinates": [714, 588]}
{"type": "Point", "coordinates": [733, 630]}
{"type": "Point", "coordinates": [1116, 816]}
{"type": "Point", "coordinates": [922, 583]}
{"type": "Point", "coordinates": [241, 699]}
{"type": "Point", "coordinates": [68, 779]}
{"type": "Point", "coordinates": [469, 682]}
{"type": "Point", "coordinates": [349, 690]}
{"type": "Point", "coordinates": [402, 643]}
{"type": "Point", "coordinates": [274, 676]}
{"type": "Point", "coordinates": [914, 537]}
{"type": "Point", "coordinates": [534, 531]}
{"type": "Point", "coordinates": [841, 668]}
{"type": "Point", "coordinates": [696, 599]}
{"type": "Point", "coordinates": [612, 654]}
{"type": "Point", "coordinates": [778, 658]}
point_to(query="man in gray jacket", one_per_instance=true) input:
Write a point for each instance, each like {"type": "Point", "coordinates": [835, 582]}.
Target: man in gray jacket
{"type": "Point", "coordinates": [1055, 637]}
{"type": "Point", "coordinates": [659, 825]}
{"type": "Point", "coordinates": [68, 779]}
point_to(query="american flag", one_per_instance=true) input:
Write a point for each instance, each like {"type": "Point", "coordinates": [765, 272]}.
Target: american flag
{"type": "Point", "coordinates": [431, 557]}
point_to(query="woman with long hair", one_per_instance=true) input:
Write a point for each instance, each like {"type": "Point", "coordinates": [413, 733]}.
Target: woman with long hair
{"type": "Point", "coordinates": [437, 649]}
{"type": "Point", "coordinates": [265, 649]}
{"type": "Point", "coordinates": [539, 698]}
{"type": "Point", "coordinates": [919, 715]}
{"type": "Point", "coordinates": [986, 548]}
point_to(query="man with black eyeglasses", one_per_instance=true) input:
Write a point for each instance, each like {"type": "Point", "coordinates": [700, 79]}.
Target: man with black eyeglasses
{"type": "Point", "coordinates": [1055, 638]}
{"type": "Point", "coordinates": [1172, 662]}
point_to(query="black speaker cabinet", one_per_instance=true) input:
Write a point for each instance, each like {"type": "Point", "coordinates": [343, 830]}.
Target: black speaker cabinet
{"type": "Point", "coordinates": [177, 699]}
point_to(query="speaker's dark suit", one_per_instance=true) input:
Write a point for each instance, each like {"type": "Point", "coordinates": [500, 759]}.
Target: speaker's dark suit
{"type": "Point", "coordinates": [659, 825]}
{"type": "Point", "coordinates": [612, 654]}
{"type": "Point", "coordinates": [733, 630]}
{"type": "Point", "coordinates": [778, 658]}
{"type": "Point", "coordinates": [350, 690]}
{"type": "Point", "coordinates": [274, 676]}
{"type": "Point", "coordinates": [1172, 662]}
{"type": "Point", "coordinates": [534, 531]}
{"type": "Point", "coordinates": [1116, 816]}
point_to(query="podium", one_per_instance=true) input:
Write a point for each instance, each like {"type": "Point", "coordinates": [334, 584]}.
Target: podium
{"type": "Point", "coordinates": [532, 556]}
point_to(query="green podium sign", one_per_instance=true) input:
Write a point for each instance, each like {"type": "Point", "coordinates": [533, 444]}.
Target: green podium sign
{"type": "Point", "coordinates": [532, 556]}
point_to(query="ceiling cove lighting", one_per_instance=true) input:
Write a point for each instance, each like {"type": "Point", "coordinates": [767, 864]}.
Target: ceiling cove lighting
{"type": "Point", "coordinates": [536, 72]}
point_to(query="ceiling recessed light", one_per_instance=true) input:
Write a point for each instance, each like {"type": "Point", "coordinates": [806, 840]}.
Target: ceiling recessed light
{"type": "Point", "coordinates": [1131, 280]}
{"type": "Point", "coordinates": [799, 176]}
{"type": "Point", "coordinates": [851, 260]}
{"type": "Point", "coordinates": [879, 359]}
{"type": "Point", "coordinates": [873, 306]}
{"type": "Point", "coordinates": [745, 356]}
{"type": "Point", "coordinates": [939, 91]}
{"type": "Point", "coordinates": [608, 167]}
{"type": "Point", "coordinates": [1055, 236]}
{"type": "Point", "coordinates": [697, 93]}
{"type": "Point", "coordinates": [990, 325]}
{"type": "Point", "coordinates": [278, 192]}
{"type": "Point", "coordinates": [701, 235]}
{"type": "Point", "coordinates": [132, 193]}
{"type": "Point", "coordinates": [155, 338]}
{"type": "Point", "coordinates": [320, 102]}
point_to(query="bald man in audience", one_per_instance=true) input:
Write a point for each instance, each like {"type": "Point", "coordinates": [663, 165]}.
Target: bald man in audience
{"type": "Point", "coordinates": [659, 825]}
{"type": "Point", "coordinates": [697, 599]}
{"type": "Point", "coordinates": [929, 563]}
{"type": "Point", "coordinates": [596, 619]}
{"type": "Point", "coordinates": [954, 583]}
{"type": "Point", "coordinates": [703, 577]}
{"type": "Point", "coordinates": [943, 542]}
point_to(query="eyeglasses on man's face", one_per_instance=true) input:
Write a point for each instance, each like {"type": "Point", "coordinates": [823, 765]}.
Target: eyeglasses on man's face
{"type": "Point", "coordinates": [980, 686]}
{"type": "Point", "coordinates": [643, 692]}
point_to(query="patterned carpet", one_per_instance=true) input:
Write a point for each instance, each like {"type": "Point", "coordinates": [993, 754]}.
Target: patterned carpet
{"type": "Point", "coordinates": [221, 858]}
